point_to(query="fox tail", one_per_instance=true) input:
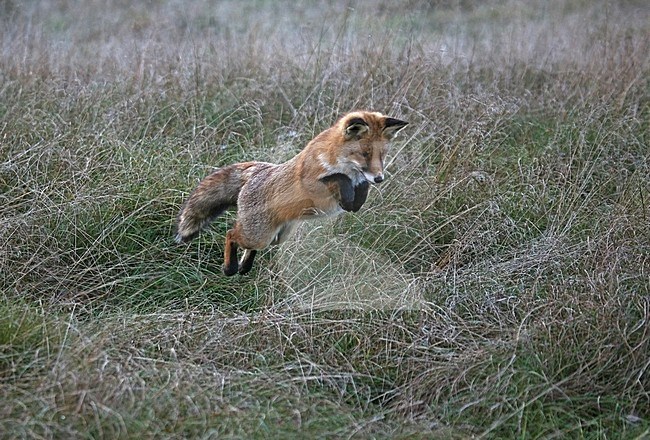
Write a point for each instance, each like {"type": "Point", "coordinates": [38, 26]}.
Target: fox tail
{"type": "Point", "coordinates": [211, 198]}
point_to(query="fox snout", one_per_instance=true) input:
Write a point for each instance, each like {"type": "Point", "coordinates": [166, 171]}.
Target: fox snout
{"type": "Point", "coordinates": [374, 178]}
{"type": "Point", "coordinates": [373, 167]}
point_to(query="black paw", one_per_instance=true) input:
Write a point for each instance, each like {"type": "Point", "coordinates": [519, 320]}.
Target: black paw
{"type": "Point", "coordinates": [231, 269]}
{"type": "Point", "coordinates": [347, 205]}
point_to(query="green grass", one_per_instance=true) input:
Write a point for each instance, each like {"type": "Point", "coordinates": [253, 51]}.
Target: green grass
{"type": "Point", "coordinates": [495, 286]}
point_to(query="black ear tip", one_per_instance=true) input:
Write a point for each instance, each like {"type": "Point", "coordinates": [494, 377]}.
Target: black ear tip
{"type": "Point", "coordinates": [394, 122]}
{"type": "Point", "coordinates": [357, 122]}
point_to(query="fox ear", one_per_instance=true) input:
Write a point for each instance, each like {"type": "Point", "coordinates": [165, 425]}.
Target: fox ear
{"type": "Point", "coordinates": [355, 127]}
{"type": "Point", "coordinates": [393, 126]}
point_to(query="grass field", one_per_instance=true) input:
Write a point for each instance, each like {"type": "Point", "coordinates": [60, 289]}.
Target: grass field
{"type": "Point", "coordinates": [497, 285]}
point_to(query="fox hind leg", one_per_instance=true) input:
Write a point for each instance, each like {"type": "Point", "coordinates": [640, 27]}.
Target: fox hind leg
{"type": "Point", "coordinates": [246, 263]}
{"type": "Point", "coordinates": [230, 264]}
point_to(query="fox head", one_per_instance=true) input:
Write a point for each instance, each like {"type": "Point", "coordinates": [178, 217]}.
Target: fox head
{"type": "Point", "coordinates": [365, 137]}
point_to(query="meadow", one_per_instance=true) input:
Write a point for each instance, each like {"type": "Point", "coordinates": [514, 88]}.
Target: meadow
{"type": "Point", "coordinates": [496, 285]}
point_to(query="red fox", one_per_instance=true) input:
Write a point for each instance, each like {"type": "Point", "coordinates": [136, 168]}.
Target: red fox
{"type": "Point", "coordinates": [332, 174]}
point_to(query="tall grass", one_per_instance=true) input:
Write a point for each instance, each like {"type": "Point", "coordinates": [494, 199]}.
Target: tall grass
{"type": "Point", "coordinates": [495, 286]}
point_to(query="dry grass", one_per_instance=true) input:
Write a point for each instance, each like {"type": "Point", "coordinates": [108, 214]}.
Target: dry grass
{"type": "Point", "coordinates": [495, 286]}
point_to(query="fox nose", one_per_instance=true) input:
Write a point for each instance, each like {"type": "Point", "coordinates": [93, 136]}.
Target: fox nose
{"type": "Point", "coordinates": [379, 179]}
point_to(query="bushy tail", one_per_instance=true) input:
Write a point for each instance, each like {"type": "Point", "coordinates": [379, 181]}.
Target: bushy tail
{"type": "Point", "coordinates": [214, 195]}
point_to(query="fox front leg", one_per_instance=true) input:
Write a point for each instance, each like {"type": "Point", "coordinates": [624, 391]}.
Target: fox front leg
{"type": "Point", "coordinates": [351, 198]}
{"type": "Point", "coordinates": [360, 195]}
{"type": "Point", "coordinates": [343, 185]}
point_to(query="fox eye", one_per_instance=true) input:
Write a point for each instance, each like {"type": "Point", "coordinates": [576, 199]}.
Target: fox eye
{"type": "Point", "coordinates": [365, 154]}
